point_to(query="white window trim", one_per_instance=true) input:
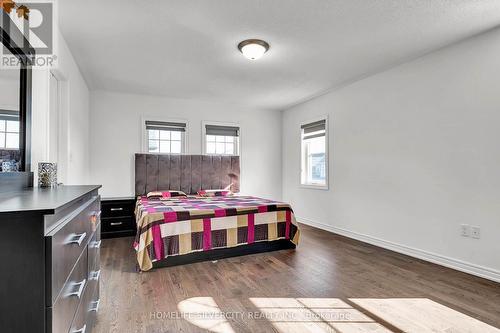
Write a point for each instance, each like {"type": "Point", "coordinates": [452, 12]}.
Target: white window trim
{"type": "Point", "coordinates": [325, 187]}
{"type": "Point", "coordinates": [144, 132]}
{"type": "Point", "coordinates": [217, 123]}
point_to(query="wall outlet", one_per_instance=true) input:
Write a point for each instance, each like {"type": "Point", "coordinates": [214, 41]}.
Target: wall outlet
{"type": "Point", "coordinates": [475, 232]}
{"type": "Point", "coordinates": [465, 230]}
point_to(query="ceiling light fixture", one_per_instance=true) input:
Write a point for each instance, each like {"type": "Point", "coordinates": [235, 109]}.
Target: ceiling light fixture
{"type": "Point", "coordinates": [253, 49]}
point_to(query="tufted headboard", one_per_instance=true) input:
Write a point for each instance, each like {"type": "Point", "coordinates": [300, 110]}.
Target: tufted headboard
{"type": "Point", "coordinates": [187, 173]}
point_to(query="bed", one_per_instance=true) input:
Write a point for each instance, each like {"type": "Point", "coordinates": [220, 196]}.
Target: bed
{"type": "Point", "coordinates": [186, 229]}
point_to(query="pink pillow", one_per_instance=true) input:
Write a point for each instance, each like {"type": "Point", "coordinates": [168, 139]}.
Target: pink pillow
{"type": "Point", "coordinates": [166, 194]}
{"type": "Point", "coordinates": [214, 193]}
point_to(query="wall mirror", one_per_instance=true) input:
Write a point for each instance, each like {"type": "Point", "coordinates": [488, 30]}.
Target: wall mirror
{"type": "Point", "coordinates": [15, 99]}
{"type": "Point", "coordinates": [10, 126]}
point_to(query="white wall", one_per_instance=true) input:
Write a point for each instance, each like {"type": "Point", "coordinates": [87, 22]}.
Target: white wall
{"type": "Point", "coordinates": [414, 152]}
{"type": "Point", "coordinates": [9, 92]}
{"type": "Point", "coordinates": [74, 159]}
{"type": "Point", "coordinates": [116, 135]}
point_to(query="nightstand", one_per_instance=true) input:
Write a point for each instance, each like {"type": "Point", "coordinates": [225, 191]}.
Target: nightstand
{"type": "Point", "coordinates": [117, 217]}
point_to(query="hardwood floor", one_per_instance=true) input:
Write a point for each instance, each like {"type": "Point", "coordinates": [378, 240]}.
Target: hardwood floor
{"type": "Point", "coordinates": [328, 284]}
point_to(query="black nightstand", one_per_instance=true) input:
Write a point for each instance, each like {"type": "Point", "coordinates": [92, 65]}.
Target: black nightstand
{"type": "Point", "coordinates": [117, 217]}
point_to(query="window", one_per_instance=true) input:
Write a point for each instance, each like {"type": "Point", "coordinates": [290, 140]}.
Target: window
{"type": "Point", "coordinates": [165, 137]}
{"type": "Point", "coordinates": [314, 154]}
{"type": "Point", "coordinates": [221, 140]}
{"type": "Point", "coordinates": [9, 129]}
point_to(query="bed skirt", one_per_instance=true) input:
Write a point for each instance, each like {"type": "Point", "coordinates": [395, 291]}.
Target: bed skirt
{"type": "Point", "coordinates": [216, 254]}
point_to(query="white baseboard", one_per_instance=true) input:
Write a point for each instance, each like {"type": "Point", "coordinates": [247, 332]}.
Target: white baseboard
{"type": "Point", "coordinates": [484, 272]}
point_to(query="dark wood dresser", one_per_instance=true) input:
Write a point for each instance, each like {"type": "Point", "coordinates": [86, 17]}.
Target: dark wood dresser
{"type": "Point", "coordinates": [49, 249]}
{"type": "Point", "coordinates": [118, 218]}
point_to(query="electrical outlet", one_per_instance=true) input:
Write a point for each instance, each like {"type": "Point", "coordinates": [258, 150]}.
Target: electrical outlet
{"type": "Point", "coordinates": [476, 232]}
{"type": "Point", "coordinates": [465, 230]}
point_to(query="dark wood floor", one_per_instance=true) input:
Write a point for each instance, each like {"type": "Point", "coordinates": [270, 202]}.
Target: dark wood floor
{"type": "Point", "coordinates": [328, 284]}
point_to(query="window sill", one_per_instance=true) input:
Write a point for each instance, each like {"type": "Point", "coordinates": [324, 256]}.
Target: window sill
{"type": "Point", "coordinates": [315, 187]}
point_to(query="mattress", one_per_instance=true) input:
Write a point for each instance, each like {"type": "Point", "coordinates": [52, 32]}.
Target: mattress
{"type": "Point", "coordinates": [181, 225]}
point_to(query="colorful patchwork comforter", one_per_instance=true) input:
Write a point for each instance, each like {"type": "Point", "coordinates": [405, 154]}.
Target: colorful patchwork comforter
{"type": "Point", "coordinates": [181, 225]}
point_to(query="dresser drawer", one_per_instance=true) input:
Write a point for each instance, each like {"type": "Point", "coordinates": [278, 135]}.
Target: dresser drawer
{"type": "Point", "coordinates": [118, 224]}
{"type": "Point", "coordinates": [86, 314]}
{"type": "Point", "coordinates": [94, 307]}
{"type": "Point", "coordinates": [64, 309]}
{"type": "Point", "coordinates": [94, 253]}
{"type": "Point", "coordinates": [66, 243]}
{"type": "Point", "coordinates": [118, 208]}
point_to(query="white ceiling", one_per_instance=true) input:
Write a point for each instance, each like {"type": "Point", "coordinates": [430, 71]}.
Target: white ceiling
{"type": "Point", "coordinates": [188, 48]}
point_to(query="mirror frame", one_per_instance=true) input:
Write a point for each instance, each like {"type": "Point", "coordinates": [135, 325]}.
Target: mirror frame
{"type": "Point", "coordinates": [9, 34]}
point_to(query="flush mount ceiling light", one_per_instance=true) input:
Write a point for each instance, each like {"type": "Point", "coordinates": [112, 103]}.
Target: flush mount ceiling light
{"type": "Point", "coordinates": [253, 49]}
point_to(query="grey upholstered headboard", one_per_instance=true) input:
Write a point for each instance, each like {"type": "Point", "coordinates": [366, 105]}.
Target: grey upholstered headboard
{"type": "Point", "coordinates": [187, 173]}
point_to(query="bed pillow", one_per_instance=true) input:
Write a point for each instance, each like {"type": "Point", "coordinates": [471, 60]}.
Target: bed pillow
{"type": "Point", "coordinates": [214, 193]}
{"type": "Point", "coordinates": [166, 194]}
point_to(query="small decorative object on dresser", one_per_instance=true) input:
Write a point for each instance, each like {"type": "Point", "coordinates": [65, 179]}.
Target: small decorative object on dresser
{"type": "Point", "coordinates": [47, 174]}
{"type": "Point", "coordinates": [118, 219]}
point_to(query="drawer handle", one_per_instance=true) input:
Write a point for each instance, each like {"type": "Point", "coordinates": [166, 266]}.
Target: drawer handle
{"type": "Point", "coordinates": [95, 275]}
{"type": "Point", "coordinates": [81, 330]}
{"type": "Point", "coordinates": [97, 244]}
{"type": "Point", "coordinates": [117, 209]}
{"type": "Point", "coordinates": [116, 223]}
{"type": "Point", "coordinates": [96, 306]}
{"type": "Point", "coordinates": [78, 292]}
{"type": "Point", "coordinates": [77, 239]}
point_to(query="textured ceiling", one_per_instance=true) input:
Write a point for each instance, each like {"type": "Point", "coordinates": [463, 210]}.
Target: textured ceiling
{"type": "Point", "coordinates": [188, 48]}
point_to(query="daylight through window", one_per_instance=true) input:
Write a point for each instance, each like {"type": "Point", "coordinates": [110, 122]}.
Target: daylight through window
{"type": "Point", "coordinates": [222, 140]}
{"type": "Point", "coordinates": [166, 137]}
{"type": "Point", "coordinates": [314, 155]}
{"type": "Point", "coordinates": [9, 130]}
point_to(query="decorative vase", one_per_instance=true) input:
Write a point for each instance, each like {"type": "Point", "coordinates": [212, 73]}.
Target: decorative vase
{"type": "Point", "coordinates": [47, 174]}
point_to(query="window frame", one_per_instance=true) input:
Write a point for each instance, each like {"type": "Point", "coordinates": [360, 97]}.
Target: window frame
{"type": "Point", "coordinates": [216, 123]}
{"type": "Point", "coordinates": [325, 187]}
{"type": "Point", "coordinates": [4, 133]}
{"type": "Point", "coordinates": [145, 137]}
